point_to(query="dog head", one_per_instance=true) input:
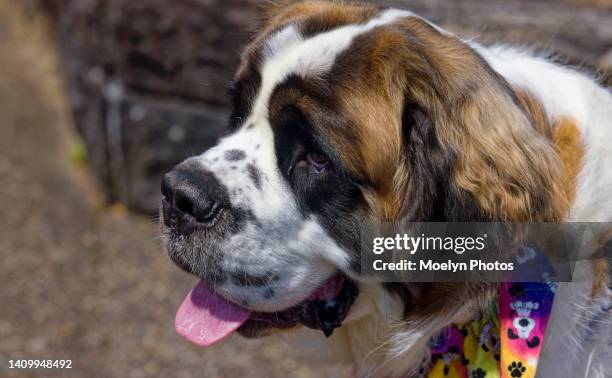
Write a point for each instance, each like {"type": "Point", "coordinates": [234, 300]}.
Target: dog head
{"type": "Point", "coordinates": [345, 115]}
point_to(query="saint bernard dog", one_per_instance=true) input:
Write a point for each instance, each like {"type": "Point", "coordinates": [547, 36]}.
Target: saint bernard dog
{"type": "Point", "coordinates": [345, 114]}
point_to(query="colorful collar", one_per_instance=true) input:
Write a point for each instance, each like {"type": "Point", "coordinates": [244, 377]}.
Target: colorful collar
{"type": "Point", "coordinates": [506, 340]}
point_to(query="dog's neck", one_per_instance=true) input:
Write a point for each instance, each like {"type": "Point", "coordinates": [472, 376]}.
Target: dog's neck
{"type": "Point", "coordinates": [377, 339]}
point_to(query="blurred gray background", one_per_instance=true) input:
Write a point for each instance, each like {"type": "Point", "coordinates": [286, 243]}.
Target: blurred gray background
{"type": "Point", "coordinates": [98, 98]}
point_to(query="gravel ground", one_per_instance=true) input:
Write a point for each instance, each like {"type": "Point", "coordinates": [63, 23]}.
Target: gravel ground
{"type": "Point", "coordinates": [82, 281]}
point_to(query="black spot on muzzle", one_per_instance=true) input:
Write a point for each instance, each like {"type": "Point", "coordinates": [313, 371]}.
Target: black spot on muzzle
{"type": "Point", "coordinates": [234, 155]}
{"type": "Point", "coordinates": [255, 175]}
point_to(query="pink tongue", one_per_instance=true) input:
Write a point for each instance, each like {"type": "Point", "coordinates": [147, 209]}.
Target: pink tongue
{"type": "Point", "coordinates": [205, 317]}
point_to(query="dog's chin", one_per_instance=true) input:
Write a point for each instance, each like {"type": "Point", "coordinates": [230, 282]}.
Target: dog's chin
{"type": "Point", "coordinates": [325, 309]}
{"type": "Point", "coordinates": [253, 328]}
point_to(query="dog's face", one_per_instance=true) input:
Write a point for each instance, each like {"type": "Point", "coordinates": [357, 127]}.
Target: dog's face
{"type": "Point", "coordinates": [342, 116]}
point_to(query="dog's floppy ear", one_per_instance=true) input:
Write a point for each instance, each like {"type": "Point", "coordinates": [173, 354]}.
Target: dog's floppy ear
{"type": "Point", "coordinates": [470, 147]}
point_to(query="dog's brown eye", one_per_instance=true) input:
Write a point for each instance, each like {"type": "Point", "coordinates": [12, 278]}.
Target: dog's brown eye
{"type": "Point", "coordinates": [317, 160]}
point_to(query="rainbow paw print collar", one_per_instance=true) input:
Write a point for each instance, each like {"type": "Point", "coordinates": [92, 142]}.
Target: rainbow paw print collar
{"type": "Point", "coordinates": [504, 342]}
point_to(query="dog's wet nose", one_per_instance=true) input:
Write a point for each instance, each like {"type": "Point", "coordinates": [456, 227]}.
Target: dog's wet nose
{"type": "Point", "coordinates": [192, 196]}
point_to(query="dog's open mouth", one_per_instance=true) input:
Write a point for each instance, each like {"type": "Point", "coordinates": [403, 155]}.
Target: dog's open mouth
{"type": "Point", "coordinates": [205, 317]}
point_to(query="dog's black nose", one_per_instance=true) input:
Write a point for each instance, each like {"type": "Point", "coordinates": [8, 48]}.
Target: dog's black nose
{"type": "Point", "coordinates": [192, 196]}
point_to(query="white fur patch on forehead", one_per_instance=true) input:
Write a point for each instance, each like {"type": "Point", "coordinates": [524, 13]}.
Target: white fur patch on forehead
{"type": "Point", "coordinates": [280, 40]}
{"type": "Point", "coordinates": [287, 52]}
